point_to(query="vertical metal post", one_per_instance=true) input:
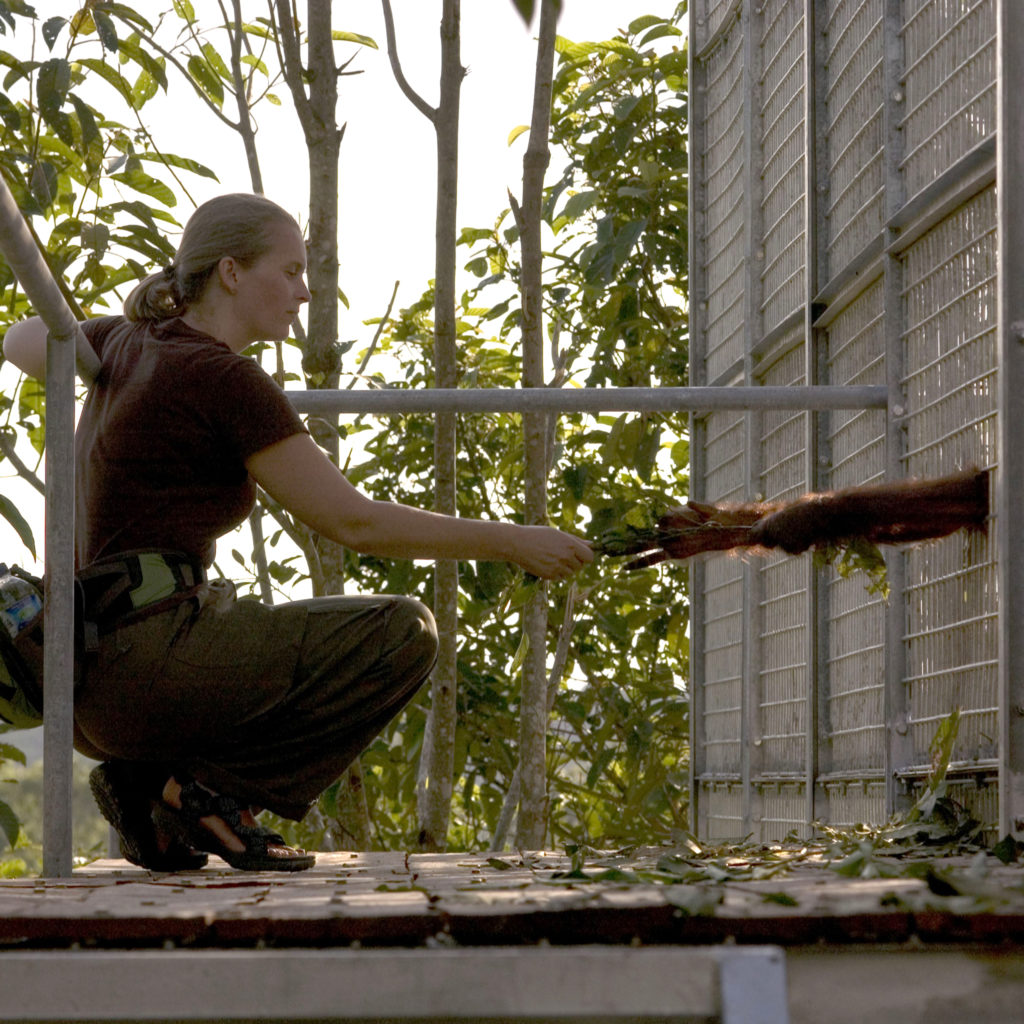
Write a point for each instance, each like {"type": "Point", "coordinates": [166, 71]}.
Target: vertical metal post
{"type": "Point", "coordinates": [898, 753]}
{"type": "Point", "coordinates": [696, 149]}
{"type": "Point", "coordinates": [1010, 470]}
{"type": "Point", "coordinates": [59, 612]}
{"type": "Point", "coordinates": [816, 270]}
{"type": "Point", "coordinates": [750, 690]}
{"type": "Point", "coordinates": [65, 346]}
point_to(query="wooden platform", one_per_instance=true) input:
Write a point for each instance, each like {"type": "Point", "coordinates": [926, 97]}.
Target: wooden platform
{"type": "Point", "coordinates": [394, 899]}
{"type": "Point", "coordinates": [534, 937]}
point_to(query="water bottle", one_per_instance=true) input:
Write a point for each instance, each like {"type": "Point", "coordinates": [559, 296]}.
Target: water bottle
{"type": "Point", "coordinates": [20, 602]}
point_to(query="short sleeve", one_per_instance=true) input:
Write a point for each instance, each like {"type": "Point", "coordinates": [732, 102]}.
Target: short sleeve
{"type": "Point", "coordinates": [252, 412]}
{"type": "Point", "coordinates": [98, 330]}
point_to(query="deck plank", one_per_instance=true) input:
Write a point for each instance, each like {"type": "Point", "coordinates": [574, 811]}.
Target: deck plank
{"type": "Point", "coordinates": [458, 898]}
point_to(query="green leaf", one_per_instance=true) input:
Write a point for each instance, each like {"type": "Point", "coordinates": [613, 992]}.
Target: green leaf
{"type": "Point", "coordinates": [255, 62]}
{"type": "Point", "coordinates": [658, 33]}
{"type": "Point", "coordinates": [9, 753]}
{"type": "Point", "coordinates": [354, 37]}
{"type": "Point", "coordinates": [637, 25]}
{"type": "Point", "coordinates": [185, 163]}
{"type": "Point", "coordinates": [525, 8]}
{"type": "Point", "coordinates": [127, 14]}
{"type": "Point", "coordinates": [106, 30]}
{"type": "Point", "coordinates": [51, 29]}
{"type": "Point", "coordinates": [520, 656]}
{"type": "Point", "coordinates": [52, 84]}
{"type": "Point", "coordinates": [9, 824]}
{"type": "Point", "coordinates": [625, 106]}
{"type": "Point", "coordinates": [581, 202]}
{"type": "Point", "coordinates": [184, 10]}
{"type": "Point", "coordinates": [137, 179]}
{"type": "Point", "coordinates": [10, 512]}
{"type": "Point", "coordinates": [109, 75]}
{"type": "Point", "coordinates": [205, 78]}
{"type": "Point", "coordinates": [216, 61]}
{"type": "Point", "coordinates": [9, 113]}
{"type": "Point", "coordinates": [470, 236]}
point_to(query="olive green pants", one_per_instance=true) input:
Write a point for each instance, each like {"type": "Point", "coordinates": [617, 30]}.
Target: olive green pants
{"type": "Point", "coordinates": [267, 704]}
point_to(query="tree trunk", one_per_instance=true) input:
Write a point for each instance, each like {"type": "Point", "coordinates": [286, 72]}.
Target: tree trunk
{"type": "Point", "coordinates": [434, 788]}
{"type": "Point", "coordinates": [532, 822]}
{"type": "Point", "coordinates": [321, 361]}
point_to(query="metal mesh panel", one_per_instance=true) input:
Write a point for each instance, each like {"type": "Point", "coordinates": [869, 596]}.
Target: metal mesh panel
{"type": "Point", "coordinates": [853, 99]}
{"type": "Point", "coordinates": [951, 633]}
{"type": "Point", "coordinates": [783, 810]}
{"type": "Point", "coordinates": [856, 623]}
{"type": "Point", "coordinates": [782, 146]}
{"type": "Point", "coordinates": [978, 795]}
{"type": "Point", "coordinates": [710, 16]}
{"type": "Point", "coordinates": [724, 242]}
{"type": "Point", "coordinates": [856, 803]}
{"type": "Point", "coordinates": [722, 802]}
{"type": "Point", "coordinates": [950, 56]}
{"type": "Point", "coordinates": [723, 603]}
{"type": "Point", "coordinates": [783, 614]}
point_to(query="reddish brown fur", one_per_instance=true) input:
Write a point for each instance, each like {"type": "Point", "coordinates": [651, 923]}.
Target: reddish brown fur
{"type": "Point", "coordinates": [887, 513]}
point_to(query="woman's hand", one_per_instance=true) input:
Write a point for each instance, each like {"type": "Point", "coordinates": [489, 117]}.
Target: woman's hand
{"type": "Point", "coordinates": [549, 553]}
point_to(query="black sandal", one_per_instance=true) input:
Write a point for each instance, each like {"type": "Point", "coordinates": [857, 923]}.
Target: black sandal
{"type": "Point", "coordinates": [198, 802]}
{"type": "Point", "coordinates": [126, 805]}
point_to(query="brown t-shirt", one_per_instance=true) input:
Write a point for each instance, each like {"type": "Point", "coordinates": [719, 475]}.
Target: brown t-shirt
{"type": "Point", "coordinates": [163, 438]}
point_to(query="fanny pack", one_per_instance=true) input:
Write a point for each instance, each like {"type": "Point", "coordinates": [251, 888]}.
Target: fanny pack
{"type": "Point", "coordinates": [111, 592]}
{"type": "Point", "coordinates": [21, 648]}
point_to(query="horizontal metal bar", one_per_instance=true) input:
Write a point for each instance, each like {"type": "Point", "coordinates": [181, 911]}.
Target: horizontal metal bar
{"type": "Point", "coordinates": [704, 399]}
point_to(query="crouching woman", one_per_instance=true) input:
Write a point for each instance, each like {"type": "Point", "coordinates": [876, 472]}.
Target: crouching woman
{"type": "Point", "coordinates": [201, 707]}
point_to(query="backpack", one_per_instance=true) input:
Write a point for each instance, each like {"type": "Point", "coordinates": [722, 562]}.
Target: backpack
{"type": "Point", "coordinates": [21, 648]}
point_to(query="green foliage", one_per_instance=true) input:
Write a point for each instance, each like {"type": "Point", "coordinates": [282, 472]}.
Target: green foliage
{"type": "Point", "coordinates": [856, 554]}
{"type": "Point", "coordinates": [10, 826]}
{"type": "Point", "coordinates": [615, 300]}
{"type": "Point", "coordinates": [96, 191]}
{"type": "Point", "coordinates": [21, 794]}
{"type": "Point", "coordinates": [100, 194]}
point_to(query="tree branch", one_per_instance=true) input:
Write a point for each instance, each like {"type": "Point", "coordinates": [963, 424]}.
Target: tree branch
{"type": "Point", "coordinates": [7, 447]}
{"type": "Point", "coordinates": [429, 112]}
{"type": "Point", "coordinates": [291, 61]}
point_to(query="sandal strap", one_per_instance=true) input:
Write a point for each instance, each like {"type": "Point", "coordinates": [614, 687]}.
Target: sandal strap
{"type": "Point", "coordinates": [199, 802]}
{"type": "Point", "coordinates": [258, 837]}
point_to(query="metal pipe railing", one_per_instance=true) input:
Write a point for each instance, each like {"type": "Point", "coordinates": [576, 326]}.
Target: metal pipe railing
{"type": "Point", "coordinates": [66, 344]}
{"type": "Point", "coordinates": [588, 400]}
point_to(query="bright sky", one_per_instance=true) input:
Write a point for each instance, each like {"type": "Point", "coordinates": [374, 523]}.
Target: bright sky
{"type": "Point", "coordinates": [387, 163]}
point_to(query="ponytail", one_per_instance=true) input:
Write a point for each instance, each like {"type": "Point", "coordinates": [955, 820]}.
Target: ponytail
{"type": "Point", "coordinates": [156, 297]}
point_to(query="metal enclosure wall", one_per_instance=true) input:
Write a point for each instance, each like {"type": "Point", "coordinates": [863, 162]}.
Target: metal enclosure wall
{"type": "Point", "coordinates": [844, 230]}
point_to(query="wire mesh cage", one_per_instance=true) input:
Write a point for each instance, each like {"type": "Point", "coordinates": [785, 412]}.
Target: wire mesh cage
{"type": "Point", "coordinates": [844, 165]}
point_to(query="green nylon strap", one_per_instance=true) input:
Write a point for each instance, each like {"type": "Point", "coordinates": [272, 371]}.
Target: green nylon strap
{"type": "Point", "coordinates": [157, 580]}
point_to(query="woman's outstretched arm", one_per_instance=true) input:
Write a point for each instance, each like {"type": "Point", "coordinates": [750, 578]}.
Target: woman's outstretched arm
{"type": "Point", "coordinates": [299, 475]}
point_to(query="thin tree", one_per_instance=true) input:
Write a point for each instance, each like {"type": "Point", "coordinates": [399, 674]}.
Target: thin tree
{"type": "Point", "coordinates": [436, 768]}
{"type": "Point", "coordinates": [531, 825]}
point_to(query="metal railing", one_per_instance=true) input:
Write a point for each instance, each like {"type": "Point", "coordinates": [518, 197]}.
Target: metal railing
{"type": "Point", "coordinates": [65, 340]}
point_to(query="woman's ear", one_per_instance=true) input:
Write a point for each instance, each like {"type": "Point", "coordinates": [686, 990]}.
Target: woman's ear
{"type": "Point", "coordinates": [227, 274]}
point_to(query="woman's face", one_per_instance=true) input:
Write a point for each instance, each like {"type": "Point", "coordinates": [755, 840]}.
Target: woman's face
{"type": "Point", "coordinates": [271, 291]}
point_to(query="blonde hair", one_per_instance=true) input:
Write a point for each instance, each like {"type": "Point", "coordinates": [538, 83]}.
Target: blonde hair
{"type": "Point", "coordinates": [236, 225]}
